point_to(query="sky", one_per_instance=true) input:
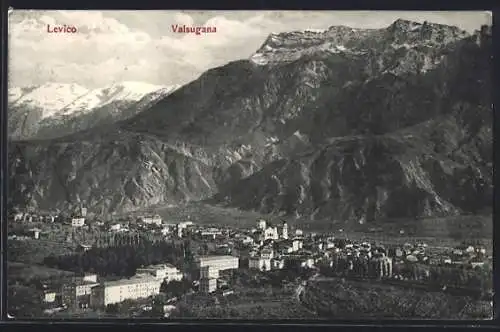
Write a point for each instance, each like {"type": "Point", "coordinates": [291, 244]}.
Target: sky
{"type": "Point", "coordinates": [116, 46]}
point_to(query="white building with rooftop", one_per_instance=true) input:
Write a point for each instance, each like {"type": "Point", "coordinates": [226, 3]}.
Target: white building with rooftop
{"type": "Point", "coordinates": [137, 287]}
{"type": "Point", "coordinates": [166, 272]}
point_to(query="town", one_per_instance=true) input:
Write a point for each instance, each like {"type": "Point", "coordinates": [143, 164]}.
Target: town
{"type": "Point", "coordinates": [155, 266]}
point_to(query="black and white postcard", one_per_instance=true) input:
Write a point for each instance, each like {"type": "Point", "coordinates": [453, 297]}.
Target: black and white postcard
{"type": "Point", "coordinates": [250, 165]}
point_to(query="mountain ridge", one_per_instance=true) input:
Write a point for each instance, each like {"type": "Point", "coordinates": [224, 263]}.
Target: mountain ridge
{"type": "Point", "coordinates": [225, 136]}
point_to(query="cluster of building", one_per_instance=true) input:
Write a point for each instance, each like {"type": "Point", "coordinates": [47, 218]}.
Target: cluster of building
{"type": "Point", "coordinates": [32, 217]}
{"type": "Point", "coordinates": [362, 260]}
{"type": "Point", "coordinates": [265, 247]}
{"type": "Point", "coordinates": [32, 233]}
{"type": "Point", "coordinates": [272, 247]}
{"type": "Point", "coordinates": [209, 269]}
{"type": "Point", "coordinates": [468, 255]}
{"type": "Point", "coordinates": [87, 291]}
{"type": "Point", "coordinates": [76, 220]}
{"type": "Point", "coordinates": [463, 255]}
{"type": "Point", "coordinates": [370, 260]}
{"type": "Point", "coordinates": [153, 224]}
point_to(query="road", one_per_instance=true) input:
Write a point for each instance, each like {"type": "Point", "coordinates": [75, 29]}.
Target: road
{"type": "Point", "coordinates": [300, 293]}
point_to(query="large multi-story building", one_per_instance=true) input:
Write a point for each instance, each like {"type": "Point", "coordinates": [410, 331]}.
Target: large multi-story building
{"type": "Point", "coordinates": [206, 272]}
{"type": "Point", "coordinates": [219, 263]}
{"type": "Point", "coordinates": [277, 264]}
{"type": "Point", "coordinates": [166, 272]}
{"type": "Point", "coordinates": [208, 286]}
{"type": "Point", "coordinates": [78, 222]}
{"type": "Point", "coordinates": [297, 244]}
{"type": "Point", "coordinates": [267, 253]}
{"type": "Point", "coordinates": [139, 286]}
{"type": "Point", "coordinates": [77, 292]}
{"type": "Point", "coordinates": [90, 277]}
{"type": "Point", "coordinates": [49, 296]}
{"type": "Point", "coordinates": [259, 263]}
{"type": "Point", "coordinates": [261, 224]}
{"type": "Point", "coordinates": [271, 232]}
{"type": "Point", "coordinates": [210, 233]}
{"type": "Point", "coordinates": [151, 220]}
{"type": "Point", "coordinates": [182, 227]}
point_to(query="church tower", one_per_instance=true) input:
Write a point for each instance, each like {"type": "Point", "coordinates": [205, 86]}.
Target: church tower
{"type": "Point", "coordinates": [284, 232]}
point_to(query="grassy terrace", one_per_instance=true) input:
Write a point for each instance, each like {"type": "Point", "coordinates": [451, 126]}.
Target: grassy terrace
{"type": "Point", "coordinates": [25, 273]}
{"type": "Point", "coordinates": [24, 299]}
{"type": "Point", "coordinates": [34, 251]}
{"type": "Point", "coordinates": [246, 303]}
{"type": "Point", "coordinates": [369, 300]}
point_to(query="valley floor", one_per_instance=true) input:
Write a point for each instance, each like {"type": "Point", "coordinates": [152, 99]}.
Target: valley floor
{"type": "Point", "coordinates": [438, 232]}
{"type": "Point", "coordinates": [278, 294]}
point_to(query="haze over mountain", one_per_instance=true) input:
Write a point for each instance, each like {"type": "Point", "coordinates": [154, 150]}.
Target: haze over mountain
{"type": "Point", "coordinates": [57, 109]}
{"type": "Point", "coordinates": [344, 123]}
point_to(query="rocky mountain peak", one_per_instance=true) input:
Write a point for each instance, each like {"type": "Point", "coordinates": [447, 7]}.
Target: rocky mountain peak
{"type": "Point", "coordinates": [410, 32]}
{"type": "Point", "coordinates": [290, 46]}
{"type": "Point", "coordinates": [404, 25]}
{"type": "Point", "coordinates": [341, 123]}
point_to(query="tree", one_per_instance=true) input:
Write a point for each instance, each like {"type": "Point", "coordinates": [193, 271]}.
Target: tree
{"type": "Point", "coordinates": [158, 302]}
{"type": "Point", "coordinates": [175, 288]}
{"type": "Point", "coordinates": [113, 308]}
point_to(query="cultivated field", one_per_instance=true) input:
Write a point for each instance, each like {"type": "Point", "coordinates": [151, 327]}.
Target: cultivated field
{"type": "Point", "coordinates": [25, 273]}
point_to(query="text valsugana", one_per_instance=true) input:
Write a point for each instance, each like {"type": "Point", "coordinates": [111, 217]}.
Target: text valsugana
{"type": "Point", "coordinates": [195, 30]}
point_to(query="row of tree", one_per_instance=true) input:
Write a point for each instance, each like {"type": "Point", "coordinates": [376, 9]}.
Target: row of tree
{"type": "Point", "coordinates": [135, 239]}
{"type": "Point", "coordinates": [120, 260]}
{"type": "Point", "coordinates": [479, 278]}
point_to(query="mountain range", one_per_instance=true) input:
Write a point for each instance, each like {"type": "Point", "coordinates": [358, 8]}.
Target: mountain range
{"type": "Point", "coordinates": [57, 109]}
{"type": "Point", "coordinates": [342, 123]}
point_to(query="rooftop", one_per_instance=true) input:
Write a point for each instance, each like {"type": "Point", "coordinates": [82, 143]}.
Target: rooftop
{"type": "Point", "coordinates": [215, 258]}
{"type": "Point", "coordinates": [80, 282]}
{"type": "Point", "coordinates": [133, 280]}
{"type": "Point", "coordinates": [159, 266]}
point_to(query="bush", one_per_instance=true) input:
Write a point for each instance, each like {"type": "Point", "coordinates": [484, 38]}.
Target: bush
{"type": "Point", "coordinates": [351, 300]}
{"type": "Point", "coordinates": [113, 308]}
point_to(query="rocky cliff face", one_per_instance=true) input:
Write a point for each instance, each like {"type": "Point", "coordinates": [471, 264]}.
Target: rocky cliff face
{"type": "Point", "coordinates": [344, 123]}
{"type": "Point", "coordinates": [120, 172]}
{"type": "Point", "coordinates": [364, 178]}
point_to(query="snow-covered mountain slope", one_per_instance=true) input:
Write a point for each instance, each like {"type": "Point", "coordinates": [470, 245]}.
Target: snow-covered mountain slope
{"type": "Point", "coordinates": [126, 91]}
{"type": "Point", "coordinates": [56, 109]}
{"type": "Point", "coordinates": [49, 98]}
